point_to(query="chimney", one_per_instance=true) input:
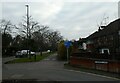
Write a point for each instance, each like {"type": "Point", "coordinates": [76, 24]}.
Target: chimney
{"type": "Point", "coordinates": [99, 29]}
{"type": "Point", "coordinates": [102, 27]}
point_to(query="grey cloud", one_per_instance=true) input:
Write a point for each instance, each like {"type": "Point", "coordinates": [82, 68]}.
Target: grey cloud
{"type": "Point", "coordinates": [71, 16]}
{"type": "Point", "coordinates": [72, 19]}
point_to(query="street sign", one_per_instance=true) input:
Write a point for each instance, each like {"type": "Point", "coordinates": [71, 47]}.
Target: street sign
{"type": "Point", "coordinates": [67, 44]}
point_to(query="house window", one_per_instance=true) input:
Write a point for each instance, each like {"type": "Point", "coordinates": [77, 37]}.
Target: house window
{"type": "Point", "coordinates": [119, 32]}
{"type": "Point", "coordinates": [104, 51]}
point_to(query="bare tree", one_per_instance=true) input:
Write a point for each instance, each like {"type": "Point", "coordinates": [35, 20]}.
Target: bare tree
{"type": "Point", "coordinates": [6, 26]}
{"type": "Point", "coordinates": [40, 36]}
{"type": "Point", "coordinates": [54, 38]}
{"type": "Point", "coordinates": [26, 31]}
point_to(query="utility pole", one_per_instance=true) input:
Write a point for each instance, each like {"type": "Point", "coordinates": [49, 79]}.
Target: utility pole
{"type": "Point", "coordinates": [28, 32]}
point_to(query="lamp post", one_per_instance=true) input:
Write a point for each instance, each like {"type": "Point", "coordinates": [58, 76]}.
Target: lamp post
{"type": "Point", "coordinates": [28, 30]}
{"type": "Point", "coordinates": [27, 19]}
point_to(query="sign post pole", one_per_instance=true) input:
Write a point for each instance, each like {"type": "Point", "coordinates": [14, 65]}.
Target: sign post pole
{"type": "Point", "coordinates": [67, 55]}
{"type": "Point", "coordinates": [67, 45]}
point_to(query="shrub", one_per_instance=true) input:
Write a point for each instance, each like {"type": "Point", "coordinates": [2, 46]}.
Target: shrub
{"type": "Point", "coordinates": [62, 51]}
{"type": "Point", "coordinates": [62, 54]}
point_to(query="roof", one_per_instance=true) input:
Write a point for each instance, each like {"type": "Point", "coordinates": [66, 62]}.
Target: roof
{"type": "Point", "coordinates": [109, 29]}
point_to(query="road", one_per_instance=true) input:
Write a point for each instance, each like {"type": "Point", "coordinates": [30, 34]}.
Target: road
{"type": "Point", "coordinates": [48, 69]}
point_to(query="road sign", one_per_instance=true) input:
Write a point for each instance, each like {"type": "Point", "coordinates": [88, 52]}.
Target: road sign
{"type": "Point", "coordinates": [67, 44]}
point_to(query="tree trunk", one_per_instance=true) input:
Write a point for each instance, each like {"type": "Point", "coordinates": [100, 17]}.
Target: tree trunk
{"type": "Point", "coordinates": [41, 52]}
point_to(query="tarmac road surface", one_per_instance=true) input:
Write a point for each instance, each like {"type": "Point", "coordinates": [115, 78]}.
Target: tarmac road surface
{"type": "Point", "coordinates": [48, 69]}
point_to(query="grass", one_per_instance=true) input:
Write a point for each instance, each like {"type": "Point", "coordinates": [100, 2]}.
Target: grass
{"type": "Point", "coordinates": [100, 72]}
{"type": "Point", "coordinates": [22, 60]}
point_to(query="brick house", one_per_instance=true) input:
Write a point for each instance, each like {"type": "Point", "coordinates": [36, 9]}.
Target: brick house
{"type": "Point", "coordinates": [106, 39]}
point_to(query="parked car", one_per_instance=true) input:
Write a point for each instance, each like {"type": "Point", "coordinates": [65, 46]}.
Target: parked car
{"type": "Point", "coordinates": [48, 51]}
{"type": "Point", "coordinates": [32, 53]}
{"type": "Point", "coordinates": [23, 53]}
{"type": "Point", "coordinates": [18, 54]}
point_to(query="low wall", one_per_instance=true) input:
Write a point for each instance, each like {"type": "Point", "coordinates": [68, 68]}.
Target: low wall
{"type": "Point", "coordinates": [105, 65]}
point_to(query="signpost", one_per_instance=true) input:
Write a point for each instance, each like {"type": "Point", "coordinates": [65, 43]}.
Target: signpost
{"type": "Point", "coordinates": [67, 45]}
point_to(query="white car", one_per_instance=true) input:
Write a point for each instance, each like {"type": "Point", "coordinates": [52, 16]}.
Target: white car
{"type": "Point", "coordinates": [24, 52]}
{"type": "Point", "coordinates": [18, 54]}
{"type": "Point", "coordinates": [48, 51]}
{"type": "Point", "coordinates": [32, 53]}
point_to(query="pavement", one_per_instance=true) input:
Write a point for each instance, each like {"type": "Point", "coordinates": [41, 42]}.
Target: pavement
{"type": "Point", "coordinates": [6, 59]}
{"type": "Point", "coordinates": [48, 69]}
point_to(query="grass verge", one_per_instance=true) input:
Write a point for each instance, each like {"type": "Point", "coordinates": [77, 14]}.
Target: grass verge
{"type": "Point", "coordinates": [94, 71]}
{"type": "Point", "coordinates": [22, 60]}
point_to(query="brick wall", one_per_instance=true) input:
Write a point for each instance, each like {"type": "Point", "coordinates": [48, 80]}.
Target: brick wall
{"type": "Point", "coordinates": [87, 63]}
{"type": "Point", "coordinates": [114, 66]}
{"type": "Point", "coordinates": [111, 66]}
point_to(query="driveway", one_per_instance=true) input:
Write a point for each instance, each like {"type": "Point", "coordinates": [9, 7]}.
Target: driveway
{"type": "Point", "coordinates": [48, 69]}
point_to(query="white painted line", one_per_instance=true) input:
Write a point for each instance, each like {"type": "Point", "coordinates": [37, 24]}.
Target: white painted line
{"type": "Point", "coordinates": [16, 76]}
{"type": "Point", "coordinates": [93, 74]}
{"type": "Point", "coordinates": [50, 59]}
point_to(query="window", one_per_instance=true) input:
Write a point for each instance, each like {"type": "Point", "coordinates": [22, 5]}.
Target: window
{"type": "Point", "coordinates": [119, 32]}
{"type": "Point", "coordinates": [104, 51]}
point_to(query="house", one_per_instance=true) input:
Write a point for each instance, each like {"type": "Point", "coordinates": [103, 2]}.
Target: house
{"type": "Point", "coordinates": [106, 39]}
{"type": "Point", "coordinates": [100, 50]}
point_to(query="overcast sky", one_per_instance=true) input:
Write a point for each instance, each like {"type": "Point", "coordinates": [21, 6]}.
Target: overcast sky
{"type": "Point", "coordinates": [72, 19]}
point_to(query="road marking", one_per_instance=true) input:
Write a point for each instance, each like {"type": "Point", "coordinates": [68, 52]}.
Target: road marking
{"type": "Point", "coordinates": [53, 59]}
{"type": "Point", "coordinates": [50, 59]}
{"type": "Point", "coordinates": [93, 74]}
{"type": "Point", "coordinates": [16, 76]}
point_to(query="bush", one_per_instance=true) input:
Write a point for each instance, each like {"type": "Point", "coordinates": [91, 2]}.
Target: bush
{"type": "Point", "coordinates": [62, 51]}
{"type": "Point", "coordinates": [62, 54]}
